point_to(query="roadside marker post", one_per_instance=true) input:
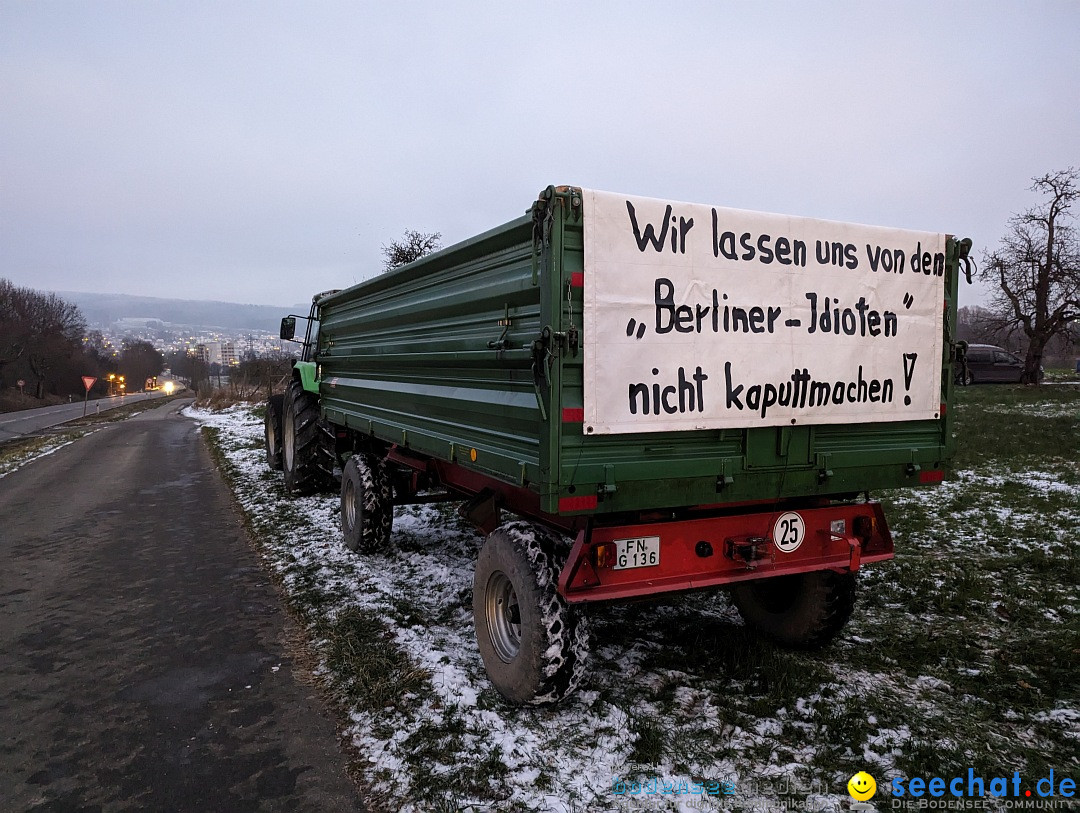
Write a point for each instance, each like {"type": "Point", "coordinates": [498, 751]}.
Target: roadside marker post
{"type": "Point", "coordinates": [88, 382]}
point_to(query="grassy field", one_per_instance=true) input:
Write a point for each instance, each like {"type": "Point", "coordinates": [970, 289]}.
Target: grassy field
{"type": "Point", "coordinates": [964, 651]}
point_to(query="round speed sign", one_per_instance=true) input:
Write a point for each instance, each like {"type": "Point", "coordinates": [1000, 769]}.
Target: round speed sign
{"type": "Point", "coordinates": [788, 532]}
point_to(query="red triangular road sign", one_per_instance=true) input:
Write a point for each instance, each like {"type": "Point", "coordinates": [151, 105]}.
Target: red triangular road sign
{"type": "Point", "coordinates": [88, 381]}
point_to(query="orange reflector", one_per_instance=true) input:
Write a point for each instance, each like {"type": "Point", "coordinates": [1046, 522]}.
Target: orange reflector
{"type": "Point", "coordinates": [472, 455]}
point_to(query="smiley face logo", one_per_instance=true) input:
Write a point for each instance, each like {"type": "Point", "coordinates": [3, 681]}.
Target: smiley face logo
{"type": "Point", "coordinates": [861, 786]}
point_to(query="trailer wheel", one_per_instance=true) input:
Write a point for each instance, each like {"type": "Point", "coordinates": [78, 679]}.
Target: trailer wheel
{"type": "Point", "coordinates": [534, 645]}
{"type": "Point", "coordinates": [307, 444]}
{"type": "Point", "coordinates": [272, 431]}
{"type": "Point", "coordinates": [367, 504]}
{"type": "Point", "coordinates": [802, 611]}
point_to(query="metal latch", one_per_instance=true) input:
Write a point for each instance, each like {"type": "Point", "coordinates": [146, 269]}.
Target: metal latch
{"type": "Point", "coordinates": [564, 341]}
{"type": "Point", "coordinates": [540, 360]}
{"type": "Point", "coordinates": [501, 343]}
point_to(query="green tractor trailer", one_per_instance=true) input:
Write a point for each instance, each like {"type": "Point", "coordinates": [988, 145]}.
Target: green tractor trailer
{"type": "Point", "coordinates": [629, 397]}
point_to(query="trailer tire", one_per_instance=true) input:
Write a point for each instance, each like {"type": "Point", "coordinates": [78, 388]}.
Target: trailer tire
{"type": "Point", "coordinates": [534, 645]}
{"type": "Point", "coordinates": [272, 431]}
{"type": "Point", "coordinates": [307, 444]}
{"type": "Point", "coordinates": [367, 504]}
{"type": "Point", "coordinates": [801, 611]}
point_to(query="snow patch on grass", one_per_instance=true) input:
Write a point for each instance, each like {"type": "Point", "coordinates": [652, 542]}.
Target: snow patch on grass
{"type": "Point", "coordinates": [21, 458]}
{"type": "Point", "coordinates": [958, 655]}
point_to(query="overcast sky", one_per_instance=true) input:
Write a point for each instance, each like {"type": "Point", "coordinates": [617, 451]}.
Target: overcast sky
{"type": "Point", "coordinates": [261, 152]}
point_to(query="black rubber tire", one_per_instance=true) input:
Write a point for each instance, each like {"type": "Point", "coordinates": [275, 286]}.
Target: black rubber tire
{"type": "Point", "coordinates": [307, 447]}
{"type": "Point", "coordinates": [970, 379]}
{"type": "Point", "coordinates": [367, 504]}
{"type": "Point", "coordinates": [275, 406]}
{"type": "Point", "coordinates": [801, 611]}
{"type": "Point", "coordinates": [515, 595]}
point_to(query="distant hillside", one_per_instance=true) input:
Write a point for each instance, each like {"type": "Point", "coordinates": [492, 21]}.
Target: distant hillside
{"type": "Point", "coordinates": [104, 309]}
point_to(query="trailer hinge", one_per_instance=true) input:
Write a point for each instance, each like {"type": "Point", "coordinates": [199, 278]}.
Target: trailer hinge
{"type": "Point", "coordinates": [723, 480]}
{"type": "Point", "coordinates": [543, 219]}
{"type": "Point", "coordinates": [608, 486]}
{"type": "Point", "coordinates": [965, 251]}
{"type": "Point", "coordinates": [564, 341]}
{"type": "Point", "coordinates": [824, 472]}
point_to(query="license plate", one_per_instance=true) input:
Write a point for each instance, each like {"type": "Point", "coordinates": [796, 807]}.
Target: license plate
{"type": "Point", "coordinates": [642, 551]}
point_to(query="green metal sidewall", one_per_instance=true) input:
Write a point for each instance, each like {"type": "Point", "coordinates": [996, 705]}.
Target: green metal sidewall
{"type": "Point", "coordinates": [438, 358]}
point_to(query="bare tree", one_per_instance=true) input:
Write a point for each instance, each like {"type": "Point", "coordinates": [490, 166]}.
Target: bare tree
{"type": "Point", "coordinates": [200, 377]}
{"type": "Point", "coordinates": [257, 373]}
{"type": "Point", "coordinates": [981, 326]}
{"type": "Point", "coordinates": [57, 327]}
{"type": "Point", "coordinates": [412, 246]}
{"type": "Point", "coordinates": [1037, 268]}
{"type": "Point", "coordinates": [40, 335]}
{"type": "Point", "coordinates": [139, 362]}
{"type": "Point", "coordinates": [12, 324]}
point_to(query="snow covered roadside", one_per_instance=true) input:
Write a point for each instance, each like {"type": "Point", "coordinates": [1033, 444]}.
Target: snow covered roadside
{"type": "Point", "coordinates": [20, 459]}
{"type": "Point", "coordinates": [682, 709]}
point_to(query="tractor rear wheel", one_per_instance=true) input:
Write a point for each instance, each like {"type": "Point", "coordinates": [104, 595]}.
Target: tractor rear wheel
{"type": "Point", "coordinates": [307, 448]}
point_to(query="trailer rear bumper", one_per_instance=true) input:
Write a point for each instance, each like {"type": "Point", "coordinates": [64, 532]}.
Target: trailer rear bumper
{"type": "Point", "coordinates": [627, 561]}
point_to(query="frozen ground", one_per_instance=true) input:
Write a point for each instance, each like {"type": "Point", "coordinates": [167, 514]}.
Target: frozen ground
{"type": "Point", "coordinates": [962, 654]}
{"type": "Point", "coordinates": [28, 453]}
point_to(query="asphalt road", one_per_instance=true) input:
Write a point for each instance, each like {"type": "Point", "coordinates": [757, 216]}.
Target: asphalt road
{"type": "Point", "coordinates": [144, 658]}
{"type": "Point", "coordinates": [25, 421]}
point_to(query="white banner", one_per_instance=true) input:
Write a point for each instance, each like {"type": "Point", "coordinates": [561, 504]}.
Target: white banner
{"type": "Point", "coordinates": [698, 317]}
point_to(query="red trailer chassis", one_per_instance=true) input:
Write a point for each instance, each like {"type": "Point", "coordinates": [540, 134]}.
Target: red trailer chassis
{"type": "Point", "coordinates": [618, 561]}
{"type": "Point", "coordinates": [663, 552]}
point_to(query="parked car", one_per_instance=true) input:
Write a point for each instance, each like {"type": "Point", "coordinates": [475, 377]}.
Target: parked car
{"type": "Point", "coordinates": [988, 363]}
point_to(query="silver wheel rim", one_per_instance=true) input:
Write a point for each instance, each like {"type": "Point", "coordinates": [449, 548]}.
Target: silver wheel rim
{"type": "Point", "coordinates": [350, 504]}
{"type": "Point", "coordinates": [503, 617]}
{"type": "Point", "coordinates": [289, 440]}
